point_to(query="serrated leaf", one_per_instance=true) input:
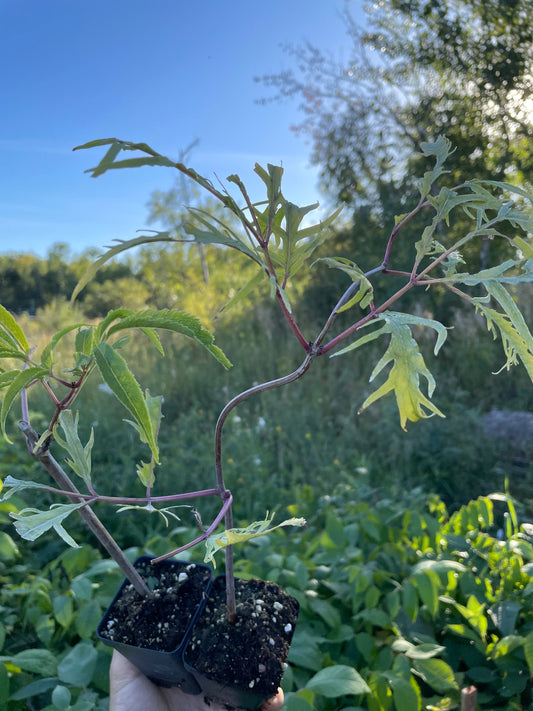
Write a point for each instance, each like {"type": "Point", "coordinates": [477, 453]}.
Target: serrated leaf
{"type": "Point", "coordinates": [510, 188]}
{"type": "Point", "coordinates": [338, 680]}
{"type": "Point", "coordinates": [145, 471]}
{"type": "Point", "coordinates": [46, 357]}
{"type": "Point", "coordinates": [243, 292]}
{"type": "Point", "coordinates": [122, 382]}
{"type": "Point", "coordinates": [272, 179]}
{"type": "Point", "coordinates": [85, 340]}
{"type": "Point", "coordinates": [32, 523]}
{"type": "Point", "coordinates": [217, 232]}
{"type": "Point", "coordinates": [152, 335]}
{"type": "Point", "coordinates": [122, 246]}
{"type": "Point", "coordinates": [21, 380]}
{"type": "Point", "coordinates": [13, 329]}
{"type": "Point", "coordinates": [80, 461]}
{"type": "Point", "coordinates": [441, 148]}
{"type": "Point", "coordinates": [408, 366]}
{"type": "Point", "coordinates": [240, 535]}
{"type": "Point", "coordinates": [364, 292]}
{"type": "Point", "coordinates": [170, 320]}
{"type": "Point", "coordinates": [7, 378]}
{"type": "Point", "coordinates": [516, 337]}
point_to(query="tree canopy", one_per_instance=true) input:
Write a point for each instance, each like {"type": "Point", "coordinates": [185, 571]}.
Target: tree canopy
{"type": "Point", "coordinates": [421, 68]}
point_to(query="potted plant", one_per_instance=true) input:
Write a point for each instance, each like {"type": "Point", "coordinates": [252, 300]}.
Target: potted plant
{"type": "Point", "coordinates": [276, 237]}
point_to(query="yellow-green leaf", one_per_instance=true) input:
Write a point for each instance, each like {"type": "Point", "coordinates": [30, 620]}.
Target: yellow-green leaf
{"type": "Point", "coordinates": [12, 327]}
{"type": "Point", "coordinates": [404, 376]}
{"type": "Point", "coordinates": [239, 535]}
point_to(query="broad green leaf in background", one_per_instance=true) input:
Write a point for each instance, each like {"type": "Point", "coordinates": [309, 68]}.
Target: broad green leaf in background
{"type": "Point", "coordinates": [63, 607]}
{"type": "Point", "coordinates": [240, 535]}
{"type": "Point", "coordinates": [428, 583]}
{"type": "Point", "coordinates": [425, 650]}
{"type": "Point", "coordinates": [80, 461]}
{"type": "Point", "coordinates": [406, 697]}
{"type": "Point", "coordinates": [436, 673]}
{"type": "Point", "coordinates": [338, 680]}
{"type": "Point", "coordinates": [4, 687]}
{"type": "Point", "coordinates": [123, 384]}
{"type": "Point", "coordinates": [36, 661]}
{"type": "Point", "coordinates": [504, 615]}
{"type": "Point", "coordinates": [32, 523]}
{"type": "Point", "coordinates": [78, 666]}
{"type": "Point", "coordinates": [528, 652]}
{"type": "Point", "coordinates": [34, 688]}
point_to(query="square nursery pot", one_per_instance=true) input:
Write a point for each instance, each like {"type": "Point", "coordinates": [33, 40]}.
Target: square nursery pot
{"type": "Point", "coordinates": [153, 632]}
{"type": "Point", "coordinates": [241, 664]}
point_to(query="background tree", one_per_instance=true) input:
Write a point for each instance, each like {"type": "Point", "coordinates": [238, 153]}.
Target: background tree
{"type": "Point", "coordinates": [421, 68]}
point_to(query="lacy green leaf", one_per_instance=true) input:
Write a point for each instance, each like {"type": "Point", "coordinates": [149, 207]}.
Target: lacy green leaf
{"type": "Point", "coordinates": [516, 337]}
{"type": "Point", "coordinates": [32, 523]}
{"type": "Point", "coordinates": [12, 486]}
{"type": "Point", "coordinates": [240, 535]}
{"type": "Point", "coordinates": [80, 461]}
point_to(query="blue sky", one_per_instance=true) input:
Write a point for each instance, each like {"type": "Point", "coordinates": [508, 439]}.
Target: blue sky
{"type": "Point", "coordinates": [166, 72]}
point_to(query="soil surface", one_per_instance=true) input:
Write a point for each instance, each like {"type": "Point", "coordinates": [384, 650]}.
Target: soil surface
{"type": "Point", "coordinates": [160, 620]}
{"type": "Point", "coordinates": [249, 654]}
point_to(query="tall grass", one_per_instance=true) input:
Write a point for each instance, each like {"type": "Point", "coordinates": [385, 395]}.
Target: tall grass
{"type": "Point", "coordinates": [308, 434]}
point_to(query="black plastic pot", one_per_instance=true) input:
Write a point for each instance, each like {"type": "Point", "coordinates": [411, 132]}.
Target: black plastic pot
{"type": "Point", "coordinates": [161, 659]}
{"type": "Point", "coordinates": [241, 664]}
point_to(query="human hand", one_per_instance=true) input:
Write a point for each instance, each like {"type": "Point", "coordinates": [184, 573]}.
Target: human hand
{"type": "Point", "coordinates": [132, 691]}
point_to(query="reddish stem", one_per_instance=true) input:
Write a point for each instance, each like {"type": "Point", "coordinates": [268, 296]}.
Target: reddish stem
{"type": "Point", "coordinates": [205, 535]}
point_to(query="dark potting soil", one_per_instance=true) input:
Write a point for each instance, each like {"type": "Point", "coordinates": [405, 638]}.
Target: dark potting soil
{"type": "Point", "coordinates": [251, 652]}
{"type": "Point", "coordinates": [158, 621]}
